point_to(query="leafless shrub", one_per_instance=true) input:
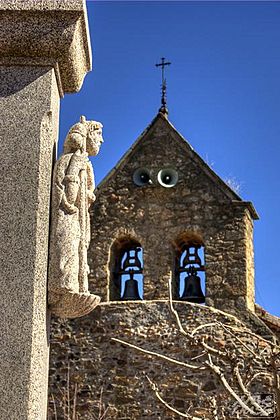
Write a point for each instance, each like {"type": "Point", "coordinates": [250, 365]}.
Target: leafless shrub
{"type": "Point", "coordinates": [234, 184]}
{"type": "Point", "coordinates": [249, 358]}
{"type": "Point", "coordinates": [68, 399]}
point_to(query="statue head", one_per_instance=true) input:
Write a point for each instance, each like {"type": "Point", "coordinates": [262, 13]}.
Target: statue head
{"type": "Point", "coordinates": [94, 137]}
{"type": "Point", "coordinates": [85, 136]}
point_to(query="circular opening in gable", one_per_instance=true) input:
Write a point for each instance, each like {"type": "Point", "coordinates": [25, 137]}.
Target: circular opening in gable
{"type": "Point", "coordinates": [168, 178]}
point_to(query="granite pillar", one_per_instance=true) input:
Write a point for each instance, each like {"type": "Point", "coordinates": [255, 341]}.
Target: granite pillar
{"type": "Point", "coordinates": [44, 53]}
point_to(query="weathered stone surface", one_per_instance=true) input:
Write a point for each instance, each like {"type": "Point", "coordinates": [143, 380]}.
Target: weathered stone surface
{"type": "Point", "coordinates": [47, 33]}
{"type": "Point", "coordinates": [43, 53]}
{"type": "Point", "coordinates": [98, 367]}
{"type": "Point", "coordinates": [272, 321]}
{"type": "Point", "coordinates": [29, 115]}
{"type": "Point", "coordinates": [72, 194]}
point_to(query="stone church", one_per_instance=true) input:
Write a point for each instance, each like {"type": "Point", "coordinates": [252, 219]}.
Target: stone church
{"type": "Point", "coordinates": [177, 333]}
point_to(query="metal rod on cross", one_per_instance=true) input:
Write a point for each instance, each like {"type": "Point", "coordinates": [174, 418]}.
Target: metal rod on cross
{"type": "Point", "coordinates": [163, 107]}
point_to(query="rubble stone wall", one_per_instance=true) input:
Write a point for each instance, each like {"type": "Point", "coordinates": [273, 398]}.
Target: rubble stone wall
{"type": "Point", "coordinates": [91, 370]}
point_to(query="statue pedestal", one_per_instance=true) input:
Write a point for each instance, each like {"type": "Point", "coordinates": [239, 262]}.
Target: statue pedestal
{"type": "Point", "coordinates": [45, 52]}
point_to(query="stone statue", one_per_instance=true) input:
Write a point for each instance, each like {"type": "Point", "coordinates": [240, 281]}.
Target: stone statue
{"type": "Point", "coordinates": [73, 187]}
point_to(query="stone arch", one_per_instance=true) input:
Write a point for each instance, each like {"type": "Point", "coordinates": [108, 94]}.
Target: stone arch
{"type": "Point", "coordinates": [123, 246]}
{"type": "Point", "coordinates": [186, 240]}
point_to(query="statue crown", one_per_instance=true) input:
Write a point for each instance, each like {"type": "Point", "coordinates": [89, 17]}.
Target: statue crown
{"type": "Point", "coordinates": [91, 125]}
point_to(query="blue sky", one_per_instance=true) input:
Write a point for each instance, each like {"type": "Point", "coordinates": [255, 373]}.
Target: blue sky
{"type": "Point", "coordinates": [223, 96]}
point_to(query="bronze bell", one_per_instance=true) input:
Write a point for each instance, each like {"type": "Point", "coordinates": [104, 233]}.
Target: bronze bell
{"type": "Point", "coordinates": [131, 288]}
{"type": "Point", "coordinates": [192, 290]}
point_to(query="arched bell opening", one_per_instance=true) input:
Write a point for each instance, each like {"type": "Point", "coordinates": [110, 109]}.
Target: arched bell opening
{"type": "Point", "coordinates": [189, 269]}
{"type": "Point", "coordinates": [126, 279]}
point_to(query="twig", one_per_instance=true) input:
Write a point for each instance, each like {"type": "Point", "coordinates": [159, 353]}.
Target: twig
{"type": "Point", "coordinates": [215, 410]}
{"type": "Point", "coordinates": [245, 331]}
{"type": "Point", "coordinates": [256, 375]}
{"type": "Point", "coordinates": [102, 406]}
{"type": "Point", "coordinates": [152, 353]}
{"type": "Point", "coordinates": [239, 340]}
{"type": "Point", "coordinates": [175, 313]}
{"type": "Point", "coordinates": [68, 393]}
{"type": "Point", "coordinates": [185, 415]}
{"type": "Point", "coordinates": [276, 384]}
{"type": "Point", "coordinates": [183, 331]}
{"type": "Point", "coordinates": [223, 414]}
{"type": "Point", "coordinates": [211, 349]}
{"type": "Point", "coordinates": [63, 401]}
{"type": "Point", "coordinates": [199, 356]}
{"type": "Point", "coordinates": [100, 402]}
{"type": "Point", "coordinates": [75, 402]}
{"type": "Point", "coordinates": [211, 324]}
{"type": "Point", "coordinates": [54, 408]}
{"type": "Point", "coordinates": [220, 374]}
{"type": "Point", "coordinates": [104, 414]}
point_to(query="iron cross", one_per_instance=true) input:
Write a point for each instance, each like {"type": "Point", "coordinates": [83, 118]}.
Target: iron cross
{"type": "Point", "coordinates": [162, 65]}
{"type": "Point", "coordinates": [163, 85]}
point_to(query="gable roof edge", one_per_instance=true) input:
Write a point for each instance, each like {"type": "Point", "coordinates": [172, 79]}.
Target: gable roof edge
{"type": "Point", "coordinates": [127, 153]}
{"type": "Point", "coordinates": [223, 186]}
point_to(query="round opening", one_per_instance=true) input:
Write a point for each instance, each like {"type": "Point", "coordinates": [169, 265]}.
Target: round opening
{"type": "Point", "coordinates": [168, 178]}
{"type": "Point", "coordinates": [142, 177]}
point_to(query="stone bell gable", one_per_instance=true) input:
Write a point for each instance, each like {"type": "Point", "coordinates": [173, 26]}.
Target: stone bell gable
{"type": "Point", "coordinates": [160, 198]}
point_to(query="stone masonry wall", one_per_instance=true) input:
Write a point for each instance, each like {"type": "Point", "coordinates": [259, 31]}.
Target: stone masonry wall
{"type": "Point", "coordinates": [250, 271]}
{"type": "Point", "coordinates": [197, 207]}
{"type": "Point", "coordinates": [93, 372]}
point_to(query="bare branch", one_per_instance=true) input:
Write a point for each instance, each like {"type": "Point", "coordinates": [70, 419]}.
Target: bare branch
{"type": "Point", "coordinates": [215, 408]}
{"type": "Point", "coordinates": [211, 349]}
{"type": "Point", "coordinates": [199, 356]}
{"type": "Point", "coordinates": [220, 374]}
{"type": "Point", "coordinates": [180, 413]}
{"type": "Point", "coordinates": [54, 408]}
{"type": "Point", "coordinates": [245, 331]}
{"type": "Point", "coordinates": [68, 392]}
{"type": "Point", "coordinates": [248, 394]}
{"type": "Point", "coordinates": [223, 414]}
{"type": "Point", "coordinates": [183, 331]}
{"type": "Point", "coordinates": [258, 374]}
{"type": "Point", "coordinates": [211, 324]}
{"type": "Point", "coordinates": [100, 402]}
{"type": "Point", "coordinates": [276, 383]}
{"type": "Point", "coordinates": [152, 353]}
{"type": "Point", "coordinates": [175, 313]}
{"type": "Point", "coordinates": [239, 340]}
{"type": "Point", "coordinates": [102, 417]}
{"type": "Point", "coordinates": [75, 402]}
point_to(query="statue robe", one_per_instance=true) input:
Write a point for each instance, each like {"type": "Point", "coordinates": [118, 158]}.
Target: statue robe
{"type": "Point", "coordinates": [73, 186]}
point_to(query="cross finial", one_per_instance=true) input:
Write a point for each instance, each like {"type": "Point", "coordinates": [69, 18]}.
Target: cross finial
{"type": "Point", "coordinates": [163, 107]}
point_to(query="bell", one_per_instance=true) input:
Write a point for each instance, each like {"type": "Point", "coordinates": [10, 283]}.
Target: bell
{"type": "Point", "coordinates": [131, 289]}
{"type": "Point", "coordinates": [192, 290]}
